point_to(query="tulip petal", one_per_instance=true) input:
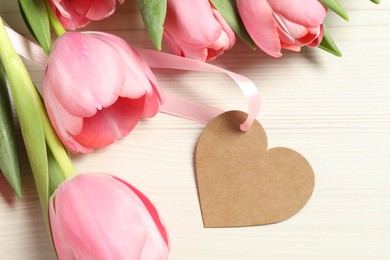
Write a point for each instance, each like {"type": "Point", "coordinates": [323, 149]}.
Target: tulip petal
{"type": "Point", "coordinates": [101, 9]}
{"type": "Point", "coordinates": [318, 40]}
{"type": "Point", "coordinates": [138, 64]}
{"type": "Point", "coordinates": [213, 54]}
{"type": "Point", "coordinates": [152, 211]}
{"type": "Point", "coordinates": [195, 53]}
{"type": "Point", "coordinates": [69, 18]}
{"type": "Point", "coordinates": [111, 123]}
{"type": "Point", "coordinates": [64, 123]}
{"type": "Point", "coordinates": [170, 40]}
{"type": "Point", "coordinates": [308, 38]}
{"type": "Point", "coordinates": [62, 249]}
{"type": "Point", "coordinates": [136, 83]}
{"type": "Point", "coordinates": [152, 104]}
{"type": "Point", "coordinates": [290, 28]}
{"type": "Point", "coordinates": [84, 67]}
{"type": "Point", "coordinates": [81, 6]}
{"type": "Point", "coordinates": [64, 120]}
{"type": "Point", "coordinates": [257, 17]}
{"type": "Point", "coordinates": [291, 47]}
{"type": "Point", "coordinates": [309, 13]}
{"type": "Point", "coordinates": [221, 43]}
{"type": "Point", "coordinates": [157, 90]}
{"type": "Point", "coordinates": [197, 28]}
{"type": "Point", "coordinates": [61, 7]}
{"type": "Point", "coordinates": [227, 31]}
{"type": "Point", "coordinates": [285, 37]}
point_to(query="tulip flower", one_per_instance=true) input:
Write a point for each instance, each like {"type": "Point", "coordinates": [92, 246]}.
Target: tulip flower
{"type": "Point", "coordinates": [77, 14]}
{"type": "Point", "coordinates": [276, 24]}
{"type": "Point", "coordinates": [195, 29]}
{"type": "Point", "coordinates": [96, 88]}
{"type": "Point", "coordinates": [103, 217]}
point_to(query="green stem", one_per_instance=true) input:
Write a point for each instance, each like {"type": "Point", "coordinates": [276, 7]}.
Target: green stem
{"type": "Point", "coordinates": [9, 55]}
{"type": "Point", "coordinates": [54, 21]}
{"type": "Point", "coordinates": [55, 145]}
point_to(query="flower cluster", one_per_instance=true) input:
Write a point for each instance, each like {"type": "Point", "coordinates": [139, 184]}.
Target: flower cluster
{"type": "Point", "coordinates": [198, 30]}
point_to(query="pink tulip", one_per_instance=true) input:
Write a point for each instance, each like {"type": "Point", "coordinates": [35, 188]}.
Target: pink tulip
{"type": "Point", "coordinates": [196, 30]}
{"type": "Point", "coordinates": [102, 217]}
{"type": "Point", "coordinates": [76, 14]}
{"type": "Point", "coordinates": [96, 88]}
{"type": "Point", "coordinates": [276, 24]}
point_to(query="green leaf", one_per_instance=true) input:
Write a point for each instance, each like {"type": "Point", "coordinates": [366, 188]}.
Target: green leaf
{"type": "Point", "coordinates": [9, 163]}
{"type": "Point", "coordinates": [336, 7]}
{"type": "Point", "coordinates": [327, 44]}
{"type": "Point", "coordinates": [35, 13]}
{"type": "Point", "coordinates": [25, 100]}
{"type": "Point", "coordinates": [153, 14]}
{"type": "Point", "coordinates": [376, 1]}
{"type": "Point", "coordinates": [229, 12]}
{"type": "Point", "coordinates": [26, 21]}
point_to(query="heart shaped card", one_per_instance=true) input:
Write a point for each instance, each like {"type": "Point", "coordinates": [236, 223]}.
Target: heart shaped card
{"type": "Point", "coordinates": [243, 183]}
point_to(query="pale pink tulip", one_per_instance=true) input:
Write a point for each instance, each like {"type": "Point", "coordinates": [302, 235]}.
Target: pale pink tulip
{"type": "Point", "coordinates": [276, 24]}
{"type": "Point", "coordinates": [76, 14]}
{"type": "Point", "coordinates": [96, 88]}
{"type": "Point", "coordinates": [195, 29]}
{"type": "Point", "coordinates": [102, 217]}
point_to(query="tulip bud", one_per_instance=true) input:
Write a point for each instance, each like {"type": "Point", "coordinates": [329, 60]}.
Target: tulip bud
{"type": "Point", "coordinates": [196, 30]}
{"type": "Point", "coordinates": [103, 217]}
{"type": "Point", "coordinates": [96, 88]}
{"type": "Point", "coordinates": [276, 24]}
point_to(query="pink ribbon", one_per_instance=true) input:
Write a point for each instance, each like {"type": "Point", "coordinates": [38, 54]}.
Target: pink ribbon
{"type": "Point", "coordinates": [173, 105]}
{"type": "Point", "coordinates": [157, 59]}
{"type": "Point", "coordinates": [27, 48]}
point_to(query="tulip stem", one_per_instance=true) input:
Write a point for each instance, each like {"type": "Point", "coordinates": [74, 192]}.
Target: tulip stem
{"type": "Point", "coordinates": [54, 21]}
{"type": "Point", "coordinates": [12, 62]}
{"type": "Point", "coordinates": [55, 145]}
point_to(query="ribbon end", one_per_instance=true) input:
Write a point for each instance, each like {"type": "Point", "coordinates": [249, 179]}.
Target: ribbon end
{"type": "Point", "coordinates": [244, 127]}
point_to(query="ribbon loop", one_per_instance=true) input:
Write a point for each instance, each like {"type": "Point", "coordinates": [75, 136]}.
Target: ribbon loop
{"type": "Point", "coordinates": [157, 59]}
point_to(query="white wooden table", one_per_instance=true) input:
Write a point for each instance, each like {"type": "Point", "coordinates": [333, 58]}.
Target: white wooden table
{"type": "Point", "coordinates": [335, 111]}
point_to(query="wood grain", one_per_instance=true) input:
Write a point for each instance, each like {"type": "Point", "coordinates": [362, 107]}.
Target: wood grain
{"type": "Point", "coordinates": [335, 111]}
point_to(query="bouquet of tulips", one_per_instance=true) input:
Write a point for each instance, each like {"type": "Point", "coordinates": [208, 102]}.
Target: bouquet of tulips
{"type": "Point", "coordinates": [96, 87]}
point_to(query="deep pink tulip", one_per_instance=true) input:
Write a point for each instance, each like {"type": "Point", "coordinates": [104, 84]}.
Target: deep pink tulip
{"type": "Point", "coordinates": [276, 24]}
{"type": "Point", "coordinates": [195, 29]}
{"type": "Point", "coordinates": [102, 217]}
{"type": "Point", "coordinates": [76, 14]}
{"type": "Point", "coordinates": [96, 88]}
